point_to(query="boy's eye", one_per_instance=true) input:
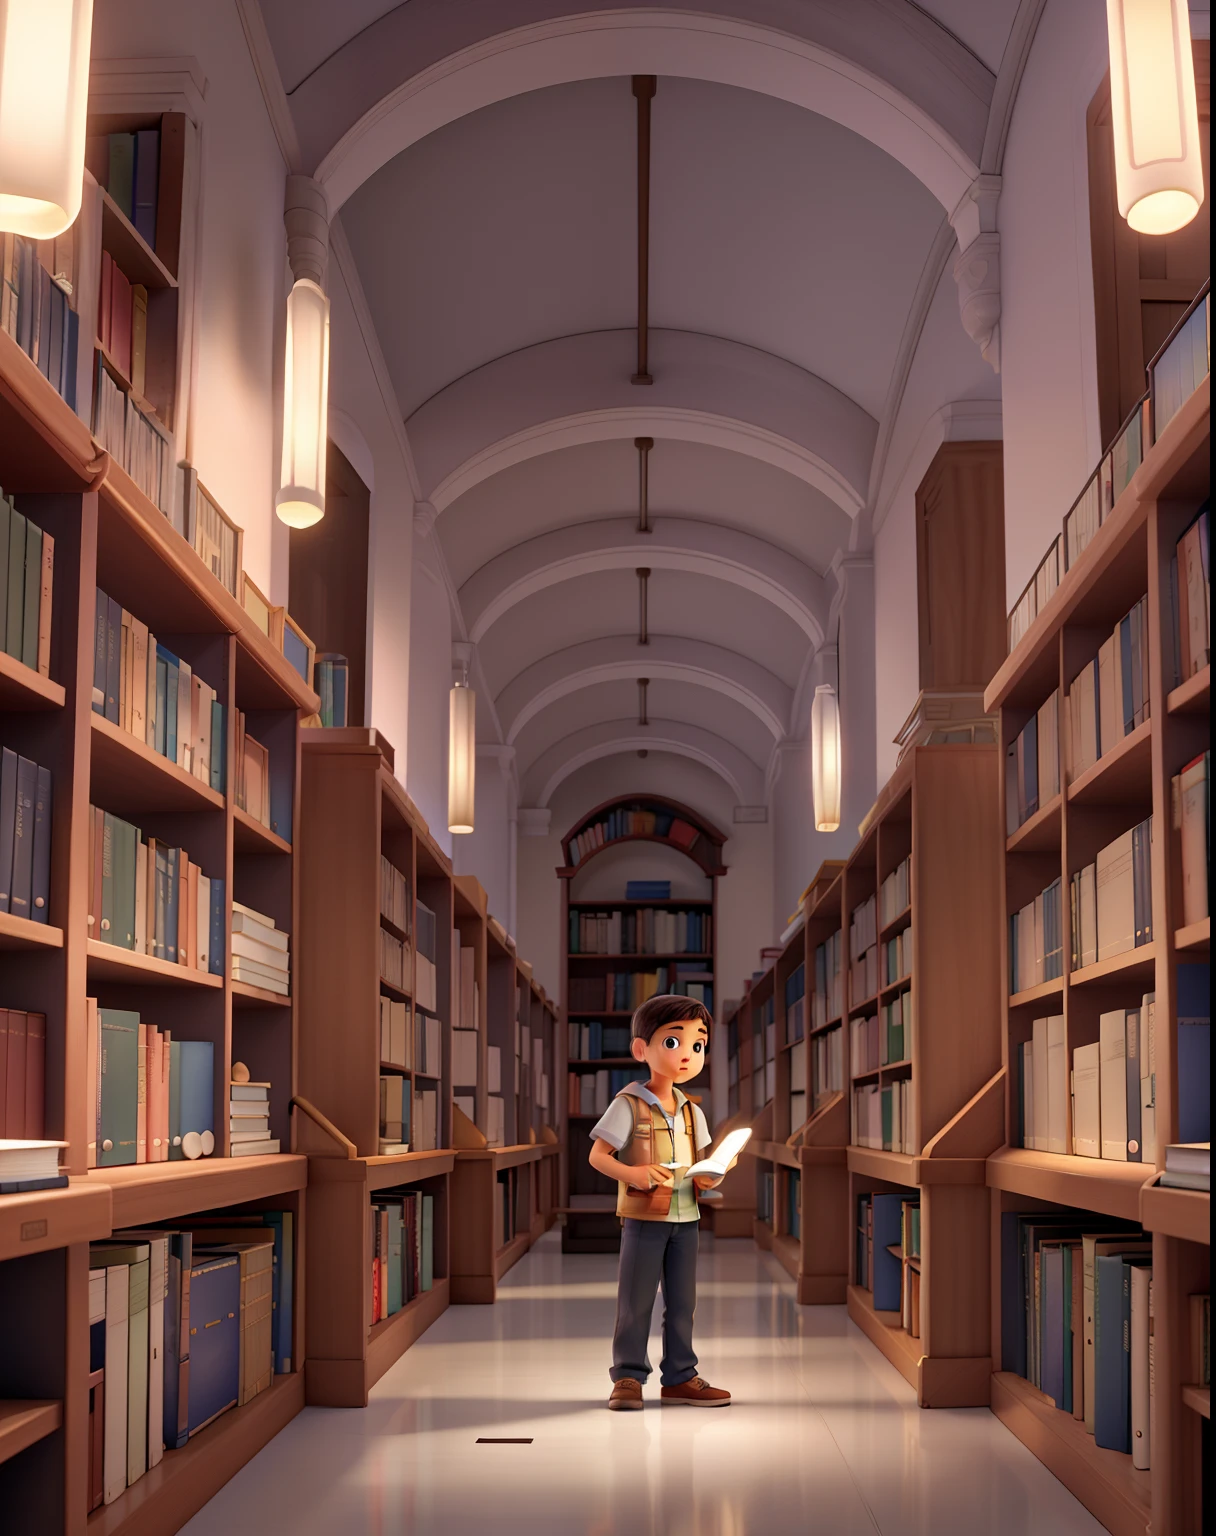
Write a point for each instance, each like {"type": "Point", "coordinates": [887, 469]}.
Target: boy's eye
{"type": "Point", "coordinates": [698, 1046]}
{"type": "Point", "coordinates": [672, 1043]}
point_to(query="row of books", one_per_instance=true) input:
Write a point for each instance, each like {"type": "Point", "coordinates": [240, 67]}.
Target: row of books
{"type": "Point", "coordinates": [1076, 1320]}
{"type": "Point", "coordinates": [428, 1046]}
{"type": "Point", "coordinates": [618, 991]}
{"type": "Point", "coordinates": [426, 977]}
{"type": "Point", "coordinates": [151, 1097]}
{"type": "Point", "coordinates": [887, 1221]}
{"type": "Point", "coordinates": [26, 791]}
{"type": "Point", "coordinates": [133, 437]}
{"type": "Point", "coordinates": [426, 1126]}
{"type": "Point", "coordinates": [1188, 1165]}
{"type": "Point", "coordinates": [36, 311]}
{"type": "Point", "coordinates": [395, 903]}
{"type": "Point", "coordinates": [27, 580]}
{"type": "Point", "coordinates": [827, 999]}
{"type": "Point", "coordinates": [1177, 371]}
{"type": "Point", "coordinates": [249, 1116]}
{"type": "Point", "coordinates": [590, 1093]}
{"type": "Point", "coordinates": [22, 1077]}
{"type": "Point", "coordinates": [122, 323]}
{"type": "Point", "coordinates": [863, 928]}
{"type": "Point", "coordinates": [1192, 820]}
{"type": "Point", "coordinates": [895, 892]}
{"type": "Point", "coordinates": [251, 791]}
{"type": "Point", "coordinates": [1111, 900]}
{"type": "Point", "coordinates": [897, 958]}
{"type": "Point", "coordinates": [465, 1065]}
{"type": "Point", "coordinates": [152, 899]}
{"type": "Point", "coordinates": [1036, 940]}
{"type": "Point", "coordinates": [882, 1116]}
{"type": "Point", "coordinates": [402, 1245]}
{"type": "Point", "coordinates": [764, 1030]}
{"type": "Point", "coordinates": [1191, 583]}
{"type": "Point", "coordinates": [827, 1066]}
{"type": "Point", "coordinates": [635, 822]}
{"type": "Point", "coordinates": [394, 1114]}
{"type": "Point", "coordinates": [1032, 765]}
{"type": "Point", "coordinates": [640, 931]}
{"type": "Point", "coordinates": [396, 1036]}
{"type": "Point", "coordinates": [184, 1323]}
{"type": "Point", "coordinates": [1111, 695]}
{"type": "Point", "coordinates": [863, 977]}
{"type": "Point", "coordinates": [208, 530]}
{"type": "Point", "coordinates": [797, 1092]}
{"type": "Point", "coordinates": [127, 165]}
{"type": "Point", "coordinates": [882, 1039]}
{"type": "Point", "coordinates": [331, 682]}
{"type": "Point", "coordinates": [765, 1192]}
{"type": "Point", "coordinates": [260, 952]}
{"type": "Point", "coordinates": [394, 962]}
{"type": "Point", "coordinates": [764, 1084]}
{"type": "Point", "coordinates": [793, 1203]}
{"type": "Point", "coordinates": [595, 1040]}
{"type": "Point", "coordinates": [142, 687]}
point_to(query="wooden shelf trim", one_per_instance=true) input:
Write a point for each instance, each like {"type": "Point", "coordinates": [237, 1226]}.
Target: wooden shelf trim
{"type": "Point", "coordinates": [1198, 1400]}
{"type": "Point", "coordinates": [24, 1422]}
{"type": "Point", "coordinates": [25, 933]}
{"type": "Point", "coordinates": [21, 688]}
{"type": "Point", "coordinates": [250, 836]}
{"type": "Point", "coordinates": [109, 962]}
{"type": "Point", "coordinates": [1194, 935]}
{"type": "Point", "coordinates": [1192, 697]}
{"type": "Point", "coordinates": [1181, 1213]}
{"type": "Point", "coordinates": [389, 1339]}
{"type": "Point", "coordinates": [1089, 1183]}
{"type": "Point", "coordinates": [144, 1193]}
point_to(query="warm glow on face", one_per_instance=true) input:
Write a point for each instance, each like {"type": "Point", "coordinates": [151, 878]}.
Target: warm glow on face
{"type": "Point", "coordinates": [44, 90]}
{"type": "Point", "coordinates": [825, 758]}
{"type": "Point", "coordinates": [676, 1051]}
{"type": "Point", "coordinates": [462, 758]}
{"type": "Point", "coordinates": [301, 498]}
{"type": "Point", "coordinates": [1154, 115]}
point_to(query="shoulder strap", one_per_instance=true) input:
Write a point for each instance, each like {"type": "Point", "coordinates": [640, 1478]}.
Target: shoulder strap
{"type": "Point", "coordinates": [690, 1124]}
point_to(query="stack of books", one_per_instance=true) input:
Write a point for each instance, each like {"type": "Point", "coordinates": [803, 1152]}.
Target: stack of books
{"type": "Point", "coordinates": [27, 579]}
{"type": "Point", "coordinates": [1112, 899]}
{"type": "Point", "coordinates": [1188, 1167]}
{"type": "Point", "coordinates": [132, 435]}
{"type": "Point", "coordinates": [150, 1096]}
{"type": "Point", "coordinates": [36, 311]}
{"type": "Point", "coordinates": [1036, 943]}
{"type": "Point", "coordinates": [260, 955]}
{"type": "Point", "coordinates": [25, 837]}
{"type": "Point", "coordinates": [22, 1075]}
{"type": "Point", "coordinates": [28, 1163]}
{"type": "Point", "coordinates": [402, 1233]}
{"type": "Point", "coordinates": [249, 1115]}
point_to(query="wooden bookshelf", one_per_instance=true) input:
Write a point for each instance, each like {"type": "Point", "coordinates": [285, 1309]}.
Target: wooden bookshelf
{"type": "Point", "coordinates": [1128, 557]}
{"type": "Point", "coordinates": [107, 534]}
{"type": "Point", "coordinates": [588, 1199]}
{"type": "Point", "coordinates": [941, 808]}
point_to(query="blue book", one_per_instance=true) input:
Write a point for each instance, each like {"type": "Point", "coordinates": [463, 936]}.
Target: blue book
{"type": "Point", "coordinates": [119, 1068]}
{"type": "Point", "coordinates": [158, 918]}
{"type": "Point", "coordinates": [1013, 1330]}
{"type": "Point", "coordinates": [1051, 1321]}
{"type": "Point", "coordinates": [596, 1047]}
{"type": "Point", "coordinates": [1112, 1359]}
{"type": "Point", "coordinates": [71, 346]}
{"type": "Point", "coordinates": [177, 1340]}
{"type": "Point", "coordinates": [1194, 1053]}
{"type": "Point", "coordinates": [215, 1324]}
{"type": "Point", "coordinates": [145, 179]}
{"type": "Point", "coordinates": [215, 962]}
{"type": "Point", "coordinates": [427, 1244]}
{"type": "Point", "coordinates": [21, 881]}
{"type": "Point", "coordinates": [41, 891]}
{"type": "Point", "coordinates": [100, 627]}
{"type": "Point", "coordinates": [196, 1071]}
{"type": "Point", "coordinates": [162, 702]}
{"type": "Point", "coordinates": [171, 883]}
{"type": "Point", "coordinates": [395, 1299]}
{"type": "Point", "coordinates": [888, 1271]}
{"type": "Point", "coordinates": [218, 746]}
{"type": "Point", "coordinates": [172, 687]}
{"type": "Point", "coordinates": [113, 658]}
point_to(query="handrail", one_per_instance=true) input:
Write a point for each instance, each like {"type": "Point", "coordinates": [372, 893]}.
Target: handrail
{"type": "Point", "coordinates": [325, 1124]}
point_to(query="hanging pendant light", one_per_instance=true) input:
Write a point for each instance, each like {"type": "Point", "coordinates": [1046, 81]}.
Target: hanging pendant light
{"type": "Point", "coordinates": [1158, 151]}
{"type": "Point", "coordinates": [301, 499]}
{"type": "Point", "coordinates": [825, 758]}
{"type": "Point", "coordinates": [44, 92]}
{"type": "Point", "coordinates": [462, 755]}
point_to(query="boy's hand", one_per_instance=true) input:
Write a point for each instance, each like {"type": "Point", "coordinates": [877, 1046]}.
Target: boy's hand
{"type": "Point", "coordinates": [650, 1175]}
{"type": "Point", "coordinates": [705, 1181]}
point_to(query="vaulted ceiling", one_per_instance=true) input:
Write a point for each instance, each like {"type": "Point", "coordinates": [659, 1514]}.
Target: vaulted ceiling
{"type": "Point", "coordinates": [806, 158]}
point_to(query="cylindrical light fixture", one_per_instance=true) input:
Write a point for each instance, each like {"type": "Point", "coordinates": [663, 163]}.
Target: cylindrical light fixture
{"type": "Point", "coordinates": [301, 499]}
{"type": "Point", "coordinates": [462, 756]}
{"type": "Point", "coordinates": [1158, 153]}
{"type": "Point", "coordinates": [825, 758]}
{"type": "Point", "coordinates": [44, 91]}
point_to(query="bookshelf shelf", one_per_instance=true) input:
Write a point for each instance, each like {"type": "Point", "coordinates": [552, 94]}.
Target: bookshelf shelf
{"type": "Point", "coordinates": [107, 962]}
{"type": "Point", "coordinates": [884, 1330]}
{"type": "Point", "coordinates": [46, 445]}
{"type": "Point", "coordinates": [1090, 1183]}
{"type": "Point", "coordinates": [250, 836]}
{"type": "Point", "coordinates": [245, 995]}
{"type": "Point", "coordinates": [54, 1218]}
{"type": "Point", "coordinates": [1192, 697]}
{"type": "Point", "coordinates": [391, 927]}
{"type": "Point", "coordinates": [25, 933]}
{"type": "Point", "coordinates": [1031, 996]}
{"type": "Point", "coordinates": [1194, 935]}
{"type": "Point", "coordinates": [897, 924]}
{"type": "Point", "coordinates": [399, 993]}
{"type": "Point", "coordinates": [144, 1193]}
{"type": "Point", "coordinates": [127, 776]}
{"type": "Point", "coordinates": [1120, 776]}
{"type": "Point", "coordinates": [623, 905]}
{"type": "Point", "coordinates": [1104, 1481]}
{"type": "Point", "coordinates": [23, 1422]}
{"type": "Point", "coordinates": [165, 1498]}
{"type": "Point", "coordinates": [686, 955]}
{"type": "Point", "coordinates": [389, 1339]}
{"type": "Point", "coordinates": [1038, 833]}
{"type": "Point", "coordinates": [1182, 1213]}
{"type": "Point", "coordinates": [21, 688]}
{"type": "Point", "coordinates": [134, 255]}
{"type": "Point", "coordinates": [1198, 1400]}
{"type": "Point", "coordinates": [1137, 964]}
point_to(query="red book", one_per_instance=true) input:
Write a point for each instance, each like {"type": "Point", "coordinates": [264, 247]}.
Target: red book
{"type": "Point", "coordinates": [682, 834]}
{"type": "Point", "coordinates": [14, 1096]}
{"type": "Point", "coordinates": [105, 299]}
{"type": "Point", "coordinates": [35, 1076]}
{"type": "Point", "coordinates": [120, 321]}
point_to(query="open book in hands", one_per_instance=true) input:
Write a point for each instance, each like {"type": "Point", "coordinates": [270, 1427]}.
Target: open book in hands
{"type": "Point", "coordinates": [719, 1161]}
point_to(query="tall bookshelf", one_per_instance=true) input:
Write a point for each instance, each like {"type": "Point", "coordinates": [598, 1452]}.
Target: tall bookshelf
{"type": "Point", "coordinates": [940, 809]}
{"type": "Point", "coordinates": [1128, 557]}
{"type": "Point", "coordinates": [108, 534]}
{"type": "Point", "coordinates": [589, 1199]}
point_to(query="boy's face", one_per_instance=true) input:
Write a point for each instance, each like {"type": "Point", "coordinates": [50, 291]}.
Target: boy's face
{"type": "Point", "coordinates": [676, 1051]}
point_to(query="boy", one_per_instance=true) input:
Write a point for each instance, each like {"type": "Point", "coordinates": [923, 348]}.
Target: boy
{"type": "Point", "coordinates": [646, 1126]}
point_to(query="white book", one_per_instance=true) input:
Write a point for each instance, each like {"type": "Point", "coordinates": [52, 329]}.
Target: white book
{"type": "Point", "coordinates": [203, 696]}
{"type": "Point", "coordinates": [1112, 1057]}
{"type": "Point", "coordinates": [250, 948]}
{"type": "Point", "coordinates": [243, 1136]}
{"type": "Point", "coordinates": [259, 928]}
{"type": "Point", "coordinates": [1110, 721]}
{"type": "Point", "coordinates": [254, 970]}
{"type": "Point", "coordinates": [114, 1474]}
{"type": "Point", "coordinates": [1042, 1097]}
{"type": "Point", "coordinates": [1148, 1077]}
{"type": "Point", "coordinates": [1088, 901]}
{"type": "Point", "coordinates": [1116, 902]}
{"type": "Point", "coordinates": [1057, 1085]}
{"type": "Point", "coordinates": [150, 709]}
{"type": "Point", "coordinates": [1028, 1137]}
{"type": "Point", "coordinates": [464, 1058]}
{"type": "Point", "coordinates": [1086, 1101]}
{"type": "Point", "coordinates": [255, 1148]}
{"type": "Point", "coordinates": [279, 988]}
{"type": "Point", "coordinates": [185, 743]}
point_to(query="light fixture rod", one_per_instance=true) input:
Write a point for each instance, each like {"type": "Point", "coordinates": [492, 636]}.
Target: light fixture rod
{"type": "Point", "coordinates": [643, 88]}
{"type": "Point", "coordinates": [643, 446]}
{"type": "Point", "coordinates": [643, 592]}
{"type": "Point", "coordinates": [643, 715]}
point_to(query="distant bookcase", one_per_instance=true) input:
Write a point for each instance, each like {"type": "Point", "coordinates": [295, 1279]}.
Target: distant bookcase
{"type": "Point", "coordinates": [1134, 552]}
{"type": "Point", "coordinates": [588, 1011]}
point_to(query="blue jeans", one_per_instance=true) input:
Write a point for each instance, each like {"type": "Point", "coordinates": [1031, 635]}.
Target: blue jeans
{"type": "Point", "coordinates": [654, 1252]}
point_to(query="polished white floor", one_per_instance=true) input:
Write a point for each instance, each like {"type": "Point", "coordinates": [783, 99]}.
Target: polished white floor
{"type": "Point", "coordinates": [823, 1436]}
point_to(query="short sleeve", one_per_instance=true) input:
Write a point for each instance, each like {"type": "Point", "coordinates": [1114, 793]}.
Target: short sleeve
{"type": "Point", "coordinates": [701, 1127]}
{"type": "Point", "coordinates": [614, 1125]}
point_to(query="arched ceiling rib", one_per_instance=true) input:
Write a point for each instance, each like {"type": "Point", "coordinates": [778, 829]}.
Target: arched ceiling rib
{"type": "Point", "coordinates": [540, 778]}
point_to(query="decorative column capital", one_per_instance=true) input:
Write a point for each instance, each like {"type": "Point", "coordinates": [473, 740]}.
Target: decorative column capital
{"type": "Point", "coordinates": [534, 820]}
{"type": "Point", "coordinates": [977, 272]}
{"type": "Point", "coordinates": [424, 519]}
{"type": "Point", "coordinates": [306, 215]}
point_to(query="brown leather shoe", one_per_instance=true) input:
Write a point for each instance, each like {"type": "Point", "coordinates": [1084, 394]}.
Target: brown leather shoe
{"type": "Point", "coordinates": [696, 1393]}
{"type": "Point", "coordinates": [626, 1394]}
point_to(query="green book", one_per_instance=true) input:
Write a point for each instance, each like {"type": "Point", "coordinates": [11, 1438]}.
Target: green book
{"type": "Point", "coordinates": [116, 1144]}
{"type": "Point", "coordinates": [137, 1258]}
{"type": "Point", "coordinates": [120, 183]}
{"type": "Point", "coordinates": [887, 1125]}
{"type": "Point", "coordinates": [107, 878]}
{"type": "Point", "coordinates": [426, 1275]}
{"type": "Point", "coordinates": [126, 839]}
{"type": "Point", "coordinates": [33, 594]}
{"type": "Point", "coordinates": [15, 619]}
{"type": "Point", "coordinates": [6, 510]}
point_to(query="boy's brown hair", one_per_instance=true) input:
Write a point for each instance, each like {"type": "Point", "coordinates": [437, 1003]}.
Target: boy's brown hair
{"type": "Point", "coordinates": [658, 1012]}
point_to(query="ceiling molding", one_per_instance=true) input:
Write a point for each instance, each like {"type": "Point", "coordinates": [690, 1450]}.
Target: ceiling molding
{"type": "Point", "coordinates": [1008, 81]}
{"type": "Point", "coordinates": [174, 84]}
{"type": "Point", "coordinates": [841, 71]}
{"type": "Point", "coordinates": [956, 421]}
{"type": "Point", "coordinates": [270, 82]}
{"type": "Point", "coordinates": [683, 544]}
{"type": "Point", "coordinates": [575, 389]}
{"type": "Point", "coordinates": [695, 663]}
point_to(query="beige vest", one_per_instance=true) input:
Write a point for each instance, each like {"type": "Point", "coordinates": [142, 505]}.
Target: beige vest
{"type": "Point", "coordinates": [651, 1142]}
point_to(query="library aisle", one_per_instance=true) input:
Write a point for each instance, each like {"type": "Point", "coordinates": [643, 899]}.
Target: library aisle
{"type": "Point", "coordinates": [533, 1367]}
